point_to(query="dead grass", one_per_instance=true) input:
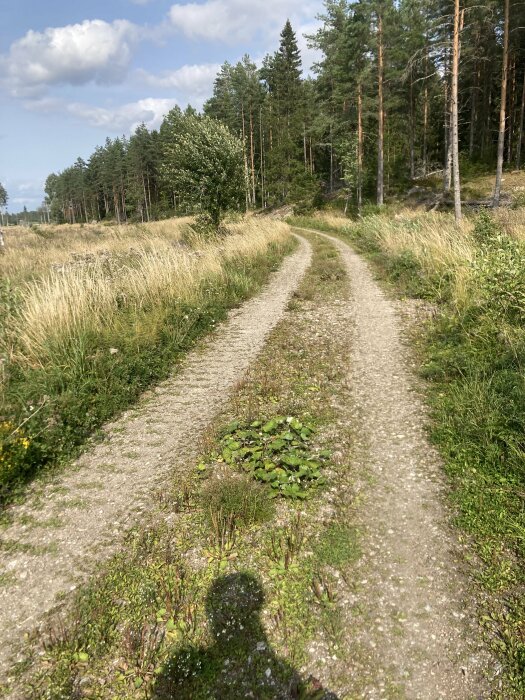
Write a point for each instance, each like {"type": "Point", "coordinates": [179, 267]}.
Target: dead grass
{"type": "Point", "coordinates": [31, 252]}
{"type": "Point", "coordinates": [439, 246]}
{"type": "Point", "coordinates": [85, 295]}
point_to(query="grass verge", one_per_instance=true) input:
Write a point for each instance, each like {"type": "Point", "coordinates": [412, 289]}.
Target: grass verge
{"type": "Point", "coordinates": [82, 342]}
{"type": "Point", "coordinates": [227, 591]}
{"type": "Point", "coordinates": [473, 358]}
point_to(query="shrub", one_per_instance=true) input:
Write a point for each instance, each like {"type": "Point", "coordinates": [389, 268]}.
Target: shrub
{"type": "Point", "coordinates": [499, 277]}
{"type": "Point", "coordinates": [486, 229]}
{"type": "Point", "coordinates": [16, 453]}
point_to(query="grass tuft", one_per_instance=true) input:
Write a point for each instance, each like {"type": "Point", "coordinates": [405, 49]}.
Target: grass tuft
{"type": "Point", "coordinates": [237, 496]}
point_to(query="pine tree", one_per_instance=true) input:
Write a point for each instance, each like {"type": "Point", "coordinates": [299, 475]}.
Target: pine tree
{"type": "Point", "coordinates": [282, 74]}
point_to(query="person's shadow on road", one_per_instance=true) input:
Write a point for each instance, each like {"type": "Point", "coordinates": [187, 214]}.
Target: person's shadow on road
{"type": "Point", "coordinates": [239, 663]}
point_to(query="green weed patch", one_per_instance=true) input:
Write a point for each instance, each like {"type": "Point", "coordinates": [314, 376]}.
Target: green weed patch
{"type": "Point", "coordinates": [275, 452]}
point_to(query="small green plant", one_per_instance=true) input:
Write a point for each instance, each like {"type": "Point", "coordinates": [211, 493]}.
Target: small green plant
{"type": "Point", "coordinates": [238, 496]}
{"type": "Point", "coordinates": [518, 200]}
{"type": "Point", "coordinates": [223, 537]}
{"type": "Point", "coordinates": [486, 229]}
{"type": "Point", "coordinates": [323, 590]}
{"type": "Point", "coordinates": [337, 545]}
{"type": "Point", "coordinates": [15, 451]}
{"type": "Point", "coordinates": [499, 278]}
{"type": "Point", "coordinates": [285, 546]}
{"type": "Point", "coordinates": [275, 452]}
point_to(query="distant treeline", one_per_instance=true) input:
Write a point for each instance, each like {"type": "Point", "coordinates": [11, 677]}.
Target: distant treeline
{"type": "Point", "coordinates": [376, 114]}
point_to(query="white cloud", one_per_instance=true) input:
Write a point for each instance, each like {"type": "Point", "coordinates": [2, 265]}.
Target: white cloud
{"type": "Point", "coordinates": [124, 118]}
{"type": "Point", "coordinates": [30, 202]}
{"type": "Point", "coordinates": [309, 55]}
{"type": "Point", "coordinates": [117, 119]}
{"type": "Point", "coordinates": [21, 191]}
{"type": "Point", "coordinates": [237, 20]}
{"type": "Point", "coordinates": [93, 50]}
{"type": "Point", "coordinates": [196, 80]}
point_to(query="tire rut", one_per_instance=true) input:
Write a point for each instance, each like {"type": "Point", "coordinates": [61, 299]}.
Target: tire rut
{"type": "Point", "coordinates": [416, 635]}
{"type": "Point", "coordinates": [65, 527]}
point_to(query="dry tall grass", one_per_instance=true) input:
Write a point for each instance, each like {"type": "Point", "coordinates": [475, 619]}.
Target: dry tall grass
{"type": "Point", "coordinates": [30, 252]}
{"type": "Point", "coordinates": [85, 297]}
{"type": "Point", "coordinates": [432, 238]}
{"type": "Point", "coordinates": [436, 242]}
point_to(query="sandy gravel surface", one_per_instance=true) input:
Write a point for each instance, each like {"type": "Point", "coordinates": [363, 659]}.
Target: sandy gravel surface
{"type": "Point", "coordinates": [66, 527]}
{"type": "Point", "coordinates": [414, 634]}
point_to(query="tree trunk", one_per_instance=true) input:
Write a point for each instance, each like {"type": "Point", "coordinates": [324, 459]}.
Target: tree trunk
{"type": "Point", "coordinates": [501, 134]}
{"type": "Point", "coordinates": [246, 176]}
{"type": "Point", "coordinates": [458, 17]}
{"type": "Point", "coordinates": [149, 191]}
{"type": "Point", "coordinates": [117, 207]}
{"type": "Point", "coordinates": [252, 157]}
{"type": "Point", "coordinates": [145, 197]}
{"type": "Point", "coordinates": [512, 105]}
{"type": "Point", "coordinates": [447, 170]}
{"type": "Point", "coordinates": [359, 147]}
{"type": "Point", "coordinates": [411, 130]}
{"type": "Point", "coordinates": [380, 113]}
{"type": "Point", "coordinates": [261, 144]}
{"type": "Point", "coordinates": [305, 153]}
{"type": "Point", "coordinates": [331, 161]}
{"type": "Point", "coordinates": [520, 128]}
{"type": "Point", "coordinates": [473, 113]}
{"type": "Point", "coordinates": [425, 116]}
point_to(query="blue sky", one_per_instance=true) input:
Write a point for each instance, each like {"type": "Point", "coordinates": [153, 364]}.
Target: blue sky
{"type": "Point", "coordinates": [72, 73]}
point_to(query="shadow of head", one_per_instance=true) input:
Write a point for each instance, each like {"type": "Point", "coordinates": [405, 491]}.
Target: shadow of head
{"type": "Point", "coordinates": [239, 661]}
{"type": "Point", "coordinates": [233, 605]}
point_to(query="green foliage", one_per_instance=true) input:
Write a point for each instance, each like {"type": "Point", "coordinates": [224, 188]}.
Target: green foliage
{"type": "Point", "coordinates": [3, 196]}
{"type": "Point", "coordinates": [16, 452]}
{"type": "Point", "coordinates": [237, 496]}
{"type": "Point", "coordinates": [337, 546]}
{"type": "Point", "coordinates": [203, 163]}
{"type": "Point", "coordinates": [486, 229]}
{"type": "Point", "coordinates": [499, 276]}
{"type": "Point", "coordinates": [275, 452]}
{"type": "Point", "coordinates": [140, 605]}
{"type": "Point", "coordinates": [518, 200]}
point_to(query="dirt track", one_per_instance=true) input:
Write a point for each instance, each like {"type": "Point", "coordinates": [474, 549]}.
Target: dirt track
{"type": "Point", "coordinates": [415, 636]}
{"type": "Point", "coordinates": [64, 528]}
{"type": "Point", "coordinates": [410, 630]}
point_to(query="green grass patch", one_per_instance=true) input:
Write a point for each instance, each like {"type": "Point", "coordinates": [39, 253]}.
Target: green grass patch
{"type": "Point", "coordinates": [338, 545]}
{"type": "Point", "coordinates": [236, 497]}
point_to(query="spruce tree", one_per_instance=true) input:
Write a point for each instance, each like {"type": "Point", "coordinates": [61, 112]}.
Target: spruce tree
{"type": "Point", "coordinates": [282, 73]}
